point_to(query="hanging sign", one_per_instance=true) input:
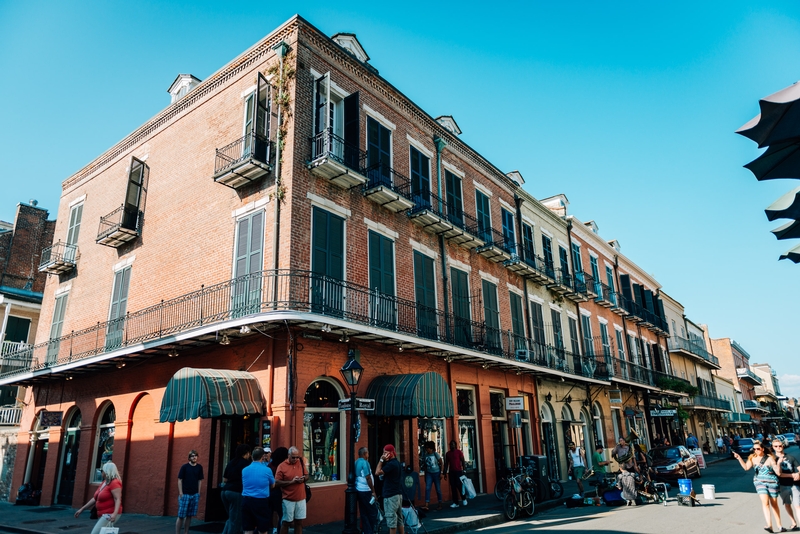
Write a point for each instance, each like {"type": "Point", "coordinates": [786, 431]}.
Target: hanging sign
{"type": "Point", "coordinates": [514, 404]}
{"type": "Point", "coordinates": [50, 418]}
{"type": "Point", "coordinates": [663, 413]}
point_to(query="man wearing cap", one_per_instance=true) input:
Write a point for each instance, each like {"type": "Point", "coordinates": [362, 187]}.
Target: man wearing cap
{"type": "Point", "coordinates": [390, 468]}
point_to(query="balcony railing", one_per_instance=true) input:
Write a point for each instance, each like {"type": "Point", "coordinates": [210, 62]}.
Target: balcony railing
{"type": "Point", "coordinates": [678, 343]}
{"type": "Point", "coordinates": [298, 291]}
{"type": "Point", "coordinates": [120, 226]}
{"type": "Point", "coordinates": [388, 188]}
{"type": "Point", "coordinates": [336, 160]}
{"type": "Point", "coordinates": [59, 258]}
{"type": "Point", "coordinates": [606, 296]}
{"type": "Point", "coordinates": [760, 391]}
{"type": "Point", "coordinates": [707, 402]}
{"type": "Point", "coordinates": [496, 247]}
{"type": "Point", "coordinates": [736, 417]}
{"type": "Point", "coordinates": [243, 161]}
{"type": "Point", "coordinates": [740, 349]}
{"type": "Point", "coordinates": [746, 374]}
{"type": "Point", "coordinates": [10, 415]}
{"type": "Point", "coordinates": [632, 372]}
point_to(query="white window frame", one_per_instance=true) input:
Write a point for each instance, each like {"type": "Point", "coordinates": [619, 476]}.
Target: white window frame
{"type": "Point", "coordinates": [96, 475]}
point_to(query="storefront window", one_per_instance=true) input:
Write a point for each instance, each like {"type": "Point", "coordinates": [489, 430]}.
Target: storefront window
{"type": "Point", "coordinates": [498, 404]}
{"type": "Point", "coordinates": [322, 432]}
{"type": "Point", "coordinates": [430, 430]}
{"type": "Point", "coordinates": [597, 417]}
{"type": "Point", "coordinates": [104, 452]}
{"type": "Point", "coordinates": [465, 402]}
{"type": "Point", "coordinates": [527, 446]}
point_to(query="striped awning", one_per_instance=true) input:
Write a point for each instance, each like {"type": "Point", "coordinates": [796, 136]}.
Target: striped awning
{"type": "Point", "coordinates": [415, 395]}
{"type": "Point", "coordinates": [194, 393]}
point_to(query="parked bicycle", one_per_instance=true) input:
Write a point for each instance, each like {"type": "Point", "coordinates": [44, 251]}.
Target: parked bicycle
{"type": "Point", "coordinates": [502, 486]}
{"type": "Point", "coordinates": [520, 496]}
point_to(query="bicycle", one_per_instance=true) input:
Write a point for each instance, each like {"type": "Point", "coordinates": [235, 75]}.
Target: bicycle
{"type": "Point", "coordinates": [520, 496]}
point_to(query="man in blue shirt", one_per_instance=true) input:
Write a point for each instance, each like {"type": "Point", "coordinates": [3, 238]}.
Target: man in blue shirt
{"type": "Point", "coordinates": [257, 479]}
{"type": "Point", "coordinates": [691, 442]}
{"type": "Point", "coordinates": [366, 492]}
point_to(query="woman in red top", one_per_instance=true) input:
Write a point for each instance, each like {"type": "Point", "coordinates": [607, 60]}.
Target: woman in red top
{"type": "Point", "coordinates": [107, 498]}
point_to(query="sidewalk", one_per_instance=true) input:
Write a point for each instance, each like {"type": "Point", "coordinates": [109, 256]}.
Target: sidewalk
{"type": "Point", "coordinates": [482, 511]}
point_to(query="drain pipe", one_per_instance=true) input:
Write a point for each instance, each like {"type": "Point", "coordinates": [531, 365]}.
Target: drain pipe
{"type": "Point", "coordinates": [281, 49]}
{"type": "Point", "coordinates": [440, 144]}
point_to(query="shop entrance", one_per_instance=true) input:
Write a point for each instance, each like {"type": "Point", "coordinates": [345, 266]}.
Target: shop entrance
{"type": "Point", "coordinates": [227, 433]}
{"type": "Point", "coordinates": [69, 460]}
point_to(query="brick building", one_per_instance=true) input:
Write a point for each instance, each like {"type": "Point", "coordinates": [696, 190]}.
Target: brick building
{"type": "Point", "coordinates": [290, 212]}
{"type": "Point", "coordinates": [734, 363]}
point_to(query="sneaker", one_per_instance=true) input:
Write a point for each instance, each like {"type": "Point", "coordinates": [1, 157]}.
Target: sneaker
{"type": "Point", "coordinates": [454, 505]}
{"type": "Point", "coordinates": [464, 502]}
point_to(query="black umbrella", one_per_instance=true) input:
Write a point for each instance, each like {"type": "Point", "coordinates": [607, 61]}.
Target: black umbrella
{"type": "Point", "coordinates": [779, 119]}
{"type": "Point", "coordinates": [792, 255]}
{"type": "Point", "coordinates": [786, 207]}
{"type": "Point", "coordinates": [790, 230]}
{"type": "Point", "coordinates": [778, 161]}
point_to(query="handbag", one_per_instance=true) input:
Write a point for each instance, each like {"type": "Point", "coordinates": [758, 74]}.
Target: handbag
{"type": "Point", "coordinates": [93, 513]}
{"type": "Point", "coordinates": [308, 488]}
{"type": "Point", "coordinates": [468, 487]}
{"type": "Point", "coordinates": [109, 530]}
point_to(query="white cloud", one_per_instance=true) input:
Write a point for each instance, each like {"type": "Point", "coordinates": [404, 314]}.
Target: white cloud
{"type": "Point", "coordinates": [790, 385]}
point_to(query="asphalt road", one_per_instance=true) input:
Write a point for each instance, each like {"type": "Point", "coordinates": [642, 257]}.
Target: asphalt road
{"type": "Point", "coordinates": [737, 509]}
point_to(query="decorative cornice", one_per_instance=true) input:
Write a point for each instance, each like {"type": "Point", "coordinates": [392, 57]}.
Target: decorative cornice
{"type": "Point", "coordinates": [210, 86]}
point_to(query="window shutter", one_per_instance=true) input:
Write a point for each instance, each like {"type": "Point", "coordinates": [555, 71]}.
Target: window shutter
{"type": "Point", "coordinates": [454, 198]}
{"type": "Point", "coordinates": [517, 324]}
{"type": "Point", "coordinates": [58, 316]}
{"type": "Point", "coordinates": [75, 216]}
{"type": "Point", "coordinates": [564, 259]}
{"type": "Point", "coordinates": [509, 238]}
{"type": "Point", "coordinates": [625, 287]}
{"type": "Point", "coordinates": [425, 296]}
{"type": "Point", "coordinates": [648, 300]}
{"type": "Point", "coordinates": [261, 127]}
{"type": "Point", "coordinates": [484, 216]}
{"type": "Point", "coordinates": [119, 305]}
{"type": "Point", "coordinates": [323, 112]}
{"type": "Point", "coordinates": [135, 194]}
{"type": "Point", "coordinates": [352, 131]}
{"type": "Point", "coordinates": [379, 150]}
{"type": "Point", "coordinates": [420, 177]}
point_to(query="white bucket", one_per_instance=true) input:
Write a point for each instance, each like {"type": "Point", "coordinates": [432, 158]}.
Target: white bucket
{"type": "Point", "coordinates": [708, 492]}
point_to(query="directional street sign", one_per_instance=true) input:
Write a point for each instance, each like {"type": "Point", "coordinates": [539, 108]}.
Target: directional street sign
{"type": "Point", "coordinates": [362, 405]}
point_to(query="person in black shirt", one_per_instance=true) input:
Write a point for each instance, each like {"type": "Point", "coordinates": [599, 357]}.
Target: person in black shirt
{"type": "Point", "coordinates": [232, 491]}
{"type": "Point", "coordinates": [189, 478]}
{"type": "Point", "coordinates": [390, 468]}
{"type": "Point", "coordinates": [787, 481]}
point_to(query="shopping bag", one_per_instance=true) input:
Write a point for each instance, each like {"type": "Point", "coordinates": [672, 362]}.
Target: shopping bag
{"type": "Point", "coordinates": [468, 489]}
{"type": "Point", "coordinates": [109, 530]}
{"type": "Point", "coordinates": [411, 520]}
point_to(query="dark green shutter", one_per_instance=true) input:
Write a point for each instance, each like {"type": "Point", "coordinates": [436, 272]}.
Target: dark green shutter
{"type": "Point", "coordinates": [135, 194]}
{"type": "Point", "coordinates": [461, 307]}
{"type": "Point", "coordinates": [382, 280]}
{"type": "Point", "coordinates": [420, 178]}
{"type": "Point", "coordinates": [352, 132]}
{"type": "Point", "coordinates": [547, 251]}
{"type": "Point", "coordinates": [425, 293]}
{"type": "Point", "coordinates": [261, 127]}
{"type": "Point", "coordinates": [483, 215]}
{"type": "Point", "coordinates": [491, 316]}
{"type": "Point", "coordinates": [17, 330]}
{"type": "Point", "coordinates": [119, 306]}
{"type": "Point", "coordinates": [454, 198]}
{"type": "Point", "coordinates": [327, 262]}
{"type": "Point", "coordinates": [517, 321]}
{"type": "Point", "coordinates": [379, 152]}
{"type": "Point", "coordinates": [509, 239]}
{"type": "Point", "coordinates": [527, 243]}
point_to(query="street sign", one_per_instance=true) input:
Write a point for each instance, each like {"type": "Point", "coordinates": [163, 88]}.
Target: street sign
{"type": "Point", "coordinates": [663, 413]}
{"type": "Point", "coordinates": [362, 405]}
{"type": "Point", "coordinates": [515, 404]}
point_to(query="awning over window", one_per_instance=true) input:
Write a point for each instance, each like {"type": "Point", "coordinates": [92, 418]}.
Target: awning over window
{"type": "Point", "coordinates": [194, 393]}
{"type": "Point", "coordinates": [417, 395]}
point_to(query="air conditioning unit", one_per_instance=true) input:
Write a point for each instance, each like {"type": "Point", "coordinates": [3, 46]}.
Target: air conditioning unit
{"type": "Point", "coordinates": [523, 355]}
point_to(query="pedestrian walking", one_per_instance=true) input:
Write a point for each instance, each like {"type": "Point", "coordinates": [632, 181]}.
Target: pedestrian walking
{"type": "Point", "coordinates": [390, 469]}
{"type": "Point", "coordinates": [726, 442]}
{"type": "Point", "coordinates": [189, 478]}
{"type": "Point", "coordinates": [454, 468]}
{"type": "Point", "coordinates": [291, 478]}
{"type": "Point", "coordinates": [720, 445]}
{"type": "Point", "coordinates": [691, 442]}
{"type": "Point", "coordinates": [277, 457]}
{"type": "Point", "coordinates": [257, 481]}
{"type": "Point", "coordinates": [788, 482]}
{"type": "Point", "coordinates": [365, 486]}
{"type": "Point", "coordinates": [232, 490]}
{"type": "Point", "coordinates": [767, 471]}
{"type": "Point", "coordinates": [107, 499]}
{"type": "Point", "coordinates": [433, 474]}
{"type": "Point", "coordinates": [577, 464]}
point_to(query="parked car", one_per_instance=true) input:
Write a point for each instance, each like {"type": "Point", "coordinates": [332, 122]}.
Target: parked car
{"type": "Point", "coordinates": [742, 446]}
{"type": "Point", "coordinates": [790, 439]}
{"type": "Point", "coordinates": [674, 462]}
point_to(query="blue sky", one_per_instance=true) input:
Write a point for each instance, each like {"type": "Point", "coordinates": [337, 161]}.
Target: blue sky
{"type": "Point", "coordinates": [628, 109]}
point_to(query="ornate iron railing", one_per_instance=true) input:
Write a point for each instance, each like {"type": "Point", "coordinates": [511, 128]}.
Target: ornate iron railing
{"type": "Point", "coordinates": [379, 175]}
{"type": "Point", "coordinates": [496, 238]}
{"type": "Point", "coordinates": [59, 252]}
{"type": "Point", "coordinates": [10, 415]}
{"type": "Point", "coordinates": [708, 402]}
{"type": "Point", "coordinates": [327, 144]}
{"type": "Point", "coordinates": [120, 218]}
{"type": "Point", "coordinates": [250, 146]}
{"type": "Point", "coordinates": [679, 343]}
{"type": "Point", "coordinates": [632, 372]}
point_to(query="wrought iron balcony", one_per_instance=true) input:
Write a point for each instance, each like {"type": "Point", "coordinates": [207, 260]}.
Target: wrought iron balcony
{"type": "Point", "coordinates": [701, 401]}
{"type": "Point", "coordinates": [691, 348]}
{"type": "Point", "coordinates": [529, 266]}
{"type": "Point", "coordinates": [244, 161]}
{"type": "Point", "coordinates": [10, 415]}
{"type": "Point", "coordinates": [465, 229]}
{"type": "Point", "coordinates": [736, 417]}
{"type": "Point", "coordinates": [120, 226]}
{"type": "Point", "coordinates": [59, 258]}
{"type": "Point", "coordinates": [606, 297]}
{"type": "Point", "coordinates": [337, 161]}
{"type": "Point", "coordinates": [430, 212]}
{"type": "Point", "coordinates": [320, 297]}
{"type": "Point", "coordinates": [743, 373]}
{"type": "Point", "coordinates": [496, 247]}
{"type": "Point", "coordinates": [631, 372]}
{"type": "Point", "coordinates": [754, 406]}
{"type": "Point", "coordinates": [388, 188]}
{"type": "Point", "coordinates": [562, 283]}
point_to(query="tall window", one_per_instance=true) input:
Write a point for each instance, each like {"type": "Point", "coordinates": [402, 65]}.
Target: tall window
{"type": "Point", "coordinates": [382, 280]}
{"type": "Point", "coordinates": [588, 344]}
{"type": "Point", "coordinates": [527, 243]}
{"type": "Point", "coordinates": [537, 329]}
{"type": "Point", "coordinates": [420, 178]}
{"type": "Point", "coordinates": [562, 257]}
{"type": "Point", "coordinates": [379, 153]}
{"type": "Point", "coordinates": [119, 306]}
{"type": "Point", "coordinates": [323, 436]}
{"type": "Point", "coordinates": [547, 250]}
{"type": "Point", "coordinates": [610, 282]}
{"type": "Point", "coordinates": [558, 335]}
{"type": "Point", "coordinates": [135, 194]}
{"type": "Point", "coordinates": [517, 322]}
{"type": "Point", "coordinates": [509, 239]}
{"type": "Point", "coordinates": [75, 216]}
{"type": "Point", "coordinates": [336, 123]}
{"type": "Point", "coordinates": [455, 201]}
{"type": "Point", "coordinates": [598, 289]}
{"type": "Point", "coordinates": [484, 216]}
{"type": "Point", "coordinates": [606, 340]}
{"type": "Point", "coordinates": [59, 310]}
{"type": "Point", "coordinates": [577, 264]}
{"type": "Point", "coordinates": [468, 430]}
{"type": "Point", "coordinates": [633, 344]}
{"type": "Point", "coordinates": [491, 315]}
{"type": "Point", "coordinates": [461, 307]}
{"type": "Point", "coordinates": [425, 292]}
{"type": "Point", "coordinates": [104, 451]}
{"type": "Point", "coordinates": [620, 346]}
{"type": "Point", "coordinates": [327, 262]}
{"type": "Point", "coordinates": [574, 344]}
{"type": "Point", "coordinates": [248, 262]}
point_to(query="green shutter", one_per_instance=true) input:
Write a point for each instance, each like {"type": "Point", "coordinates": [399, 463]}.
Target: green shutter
{"type": "Point", "coordinates": [327, 262]}
{"type": "Point", "coordinates": [119, 305]}
{"type": "Point", "coordinates": [461, 307]}
{"type": "Point", "coordinates": [249, 262]}
{"type": "Point", "coordinates": [517, 322]}
{"type": "Point", "coordinates": [425, 293]}
{"type": "Point", "coordinates": [483, 215]}
{"type": "Point", "coordinates": [381, 280]}
{"type": "Point", "coordinates": [454, 197]}
{"type": "Point", "coordinates": [59, 310]}
{"type": "Point", "coordinates": [491, 314]}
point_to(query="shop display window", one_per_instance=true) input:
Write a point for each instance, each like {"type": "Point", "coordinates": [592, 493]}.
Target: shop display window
{"type": "Point", "coordinates": [430, 430]}
{"type": "Point", "coordinates": [322, 432]}
{"type": "Point", "coordinates": [104, 452]}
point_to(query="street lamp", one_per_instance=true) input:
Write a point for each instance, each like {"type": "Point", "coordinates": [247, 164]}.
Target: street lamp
{"type": "Point", "coordinates": [351, 372]}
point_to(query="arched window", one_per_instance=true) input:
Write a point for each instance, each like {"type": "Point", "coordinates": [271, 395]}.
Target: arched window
{"type": "Point", "coordinates": [69, 457]}
{"type": "Point", "coordinates": [597, 421]}
{"type": "Point", "coordinates": [324, 441]}
{"type": "Point", "coordinates": [104, 450]}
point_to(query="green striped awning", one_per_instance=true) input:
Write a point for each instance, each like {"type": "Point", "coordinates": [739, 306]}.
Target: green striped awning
{"type": "Point", "coordinates": [194, 393]}
{"type": "Point", "coordinates": [416, 395]}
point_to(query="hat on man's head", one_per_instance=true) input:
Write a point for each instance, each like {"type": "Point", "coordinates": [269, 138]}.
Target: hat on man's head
{"type": "Point", "coordinates": [389, 448]}
{"type": "Point", "coordinates": [267, 450]}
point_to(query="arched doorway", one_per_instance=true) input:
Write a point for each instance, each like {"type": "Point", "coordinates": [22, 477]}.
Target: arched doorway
{"type": "Point", "coordinates": [37, 457]}
{"type": "Point", "coordinates": [69, 458]}
{"type": "Point", "coordinates": [549, 441]}
{"type": "Point", "coordinates": [104, 441]}
{"type": "Point", "coordinates": [323, 432]}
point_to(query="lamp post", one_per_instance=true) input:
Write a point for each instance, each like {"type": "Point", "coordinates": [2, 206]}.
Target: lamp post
{"type": "Point", "coordinates": [351, 372]}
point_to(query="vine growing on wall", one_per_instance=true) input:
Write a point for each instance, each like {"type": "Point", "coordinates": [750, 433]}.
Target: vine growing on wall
{"type": "Point", "coordinates": [280, 82]}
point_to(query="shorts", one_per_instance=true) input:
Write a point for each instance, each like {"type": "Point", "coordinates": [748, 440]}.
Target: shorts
{"type": "Point", "coordinates": [767, 486]}
{"type": "Point", "coordinates": [256, 514]}
{"type": "Point", "coordinates": [577, 472]}
{"type": "Point", "coordinates": [293, 510]}
{"type": "Point", "coordinates": [392, 508]}
{"type": "Point", "coordinates": [790, 494]}
{"type": "Point", "coordinates": [187, 505]}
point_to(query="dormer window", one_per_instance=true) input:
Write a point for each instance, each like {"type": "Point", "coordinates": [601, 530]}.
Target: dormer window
{"type": "Point", "coordinates": [181, 86]}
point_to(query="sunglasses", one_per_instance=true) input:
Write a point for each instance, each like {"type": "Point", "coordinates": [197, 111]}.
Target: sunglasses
{"type": "Point", "coordinates": [757, 449]}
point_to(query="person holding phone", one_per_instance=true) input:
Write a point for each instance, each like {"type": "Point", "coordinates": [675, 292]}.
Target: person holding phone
{"type": "Point", "coordinates": [390, 468]}
{"type": "Point", "coordinates": [767, 472]}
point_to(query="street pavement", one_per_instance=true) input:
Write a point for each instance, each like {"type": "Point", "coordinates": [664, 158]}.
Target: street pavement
{"type": "Point", "coordinates": [736, 509]}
